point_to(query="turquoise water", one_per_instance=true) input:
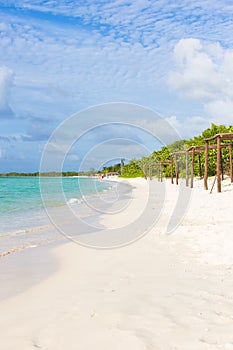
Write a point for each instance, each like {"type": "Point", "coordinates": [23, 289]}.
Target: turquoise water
{"type": "Point", "coordinates": [21, 205]}
{"type": "Point", "coordinates": [38, 211]}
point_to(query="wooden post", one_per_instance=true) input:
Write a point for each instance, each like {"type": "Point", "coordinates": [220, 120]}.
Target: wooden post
{"type": "Point", "coordinates": [144, 171]}
{"type": "Point", "coordinates": [206, 166]}
{"type": "Point", "coordinates": [150, 172]}
{"type": "Point", "coordinates": [160, 172]}
{"type": "Point", "coordinates": [222, 171]}
{"type": "Point", "coordinates": [200, 168]}
{"type": "Point", "coordinates": [122, 166]}
{"type": "Point", "coordinates": [218, 164]}
{"type": "Point", "coordinates": [230, 156]}
{"type": "Point", "coordinates": [187, 168]}
{"type": "Point", "coordinates": [177, 171]}
{"type": "Point", "coordinates": [171, 158]}
{"type": "Point", "coordinates": [192, 167]}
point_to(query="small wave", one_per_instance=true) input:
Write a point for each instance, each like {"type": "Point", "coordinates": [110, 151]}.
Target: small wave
{"type": "Point", "coordinates": [25, 246]}
{"type": "Point", "coordinates": [108, 188]}
{"type": "Point", "coordinates": [73, 201]}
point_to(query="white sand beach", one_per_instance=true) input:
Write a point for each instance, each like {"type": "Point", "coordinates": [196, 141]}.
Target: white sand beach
{"type": "Point", "coordinates": [161, 292]}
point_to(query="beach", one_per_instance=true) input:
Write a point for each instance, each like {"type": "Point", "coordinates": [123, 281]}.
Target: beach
{"type": "Point", "coordinates": [158, 290]}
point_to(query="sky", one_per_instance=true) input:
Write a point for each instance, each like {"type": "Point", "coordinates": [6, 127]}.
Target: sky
{"type": "Point", "coordinates": [58, 58]}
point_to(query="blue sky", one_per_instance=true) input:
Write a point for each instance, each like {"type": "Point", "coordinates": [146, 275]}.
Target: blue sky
{"type": "Point", "coordinates": [60, 57]}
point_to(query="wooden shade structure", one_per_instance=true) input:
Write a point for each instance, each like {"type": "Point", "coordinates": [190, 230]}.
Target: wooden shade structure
{"type": "Point", "coordinates": [174, 156]}
{"type": "Point", "coordinates": [191, 151]}
{"type": "Point", "coordinates": [159, 164]}
{"type": "Point", "coordinates": [218, 138]}
{"type": "Point", "coordinates": [196, 150]}
{"type": "Point", "coordinates": [150, 169]}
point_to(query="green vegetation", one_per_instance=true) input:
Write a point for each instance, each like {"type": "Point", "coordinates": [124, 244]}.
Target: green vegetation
{"type": "Point", "coordinates": [111, 169]}
{"type": "Point", "coordinates": [133, 169]}
{"type": "Point", "coordinates": [140, 167]}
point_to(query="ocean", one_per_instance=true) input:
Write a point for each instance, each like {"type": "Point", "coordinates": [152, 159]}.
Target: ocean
{"type": "Point", "coordinates": [24, 219]}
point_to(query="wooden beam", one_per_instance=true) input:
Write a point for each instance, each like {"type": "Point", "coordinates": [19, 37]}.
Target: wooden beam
{"type": "Point", "coordinates": [206, 165]}
{"type": "Point", "coordinates": [218, 164]}
{"type": "Point", "coordinates": [202, 148]}
{"type": "Point", "coordinates": [224, 136]}
{"type": "Point", "coordinates": [179, 153]}
{"type": "Point", "coordinates": [165, 162]}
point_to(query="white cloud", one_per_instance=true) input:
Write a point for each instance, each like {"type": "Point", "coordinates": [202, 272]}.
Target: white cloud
{"type": "Point", "coordinates": [197, 75]}
{"type": "Point", "coordinates": [221, 111]}
{"type": "Point", "coordinates": [62, 69]}
{"type": "Point", "coordinates": [6, 80]}
{"type": "Point", "coordinates": [193, 125]}
{"type": "Point", "coordinates": [69, 55]}
{"type": "Point", "coordinates": [146, 21]}
{"type": "Point", "coordinates": [205, 72]}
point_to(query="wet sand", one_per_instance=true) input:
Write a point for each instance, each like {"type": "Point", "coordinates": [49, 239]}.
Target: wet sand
{"type": "Point", "coordinates": [23, 269]}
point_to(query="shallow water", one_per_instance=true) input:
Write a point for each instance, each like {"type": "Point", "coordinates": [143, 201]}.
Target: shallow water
{"type": "Point", "coordinates": [21, 205]}
{"type": "Point", "coordinates": [33, 210]}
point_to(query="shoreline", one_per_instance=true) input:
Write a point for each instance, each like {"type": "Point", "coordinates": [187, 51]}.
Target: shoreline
{"type": "Point", "coordinates": [45, 231]}
{"type": "Point", "coordinates": [160, 292]}
{"type": "Point", "coordinates": [24, 201]}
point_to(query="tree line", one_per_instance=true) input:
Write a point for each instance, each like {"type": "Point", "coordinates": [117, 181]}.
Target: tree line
{"type": "Point", "coordinates": [139, 167]}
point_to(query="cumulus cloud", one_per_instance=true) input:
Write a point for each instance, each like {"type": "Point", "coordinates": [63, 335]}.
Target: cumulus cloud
{"type": "Point", "coordinates": [193, 125]}
{"type": "Point", "coordinates": [38, 130]}
{"type": "Point", "coordinates": [205, 73]}
{"type": "Point", "coordinates": [6, 80]}
{"type": "Point", "coordinates": [221, 110]}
